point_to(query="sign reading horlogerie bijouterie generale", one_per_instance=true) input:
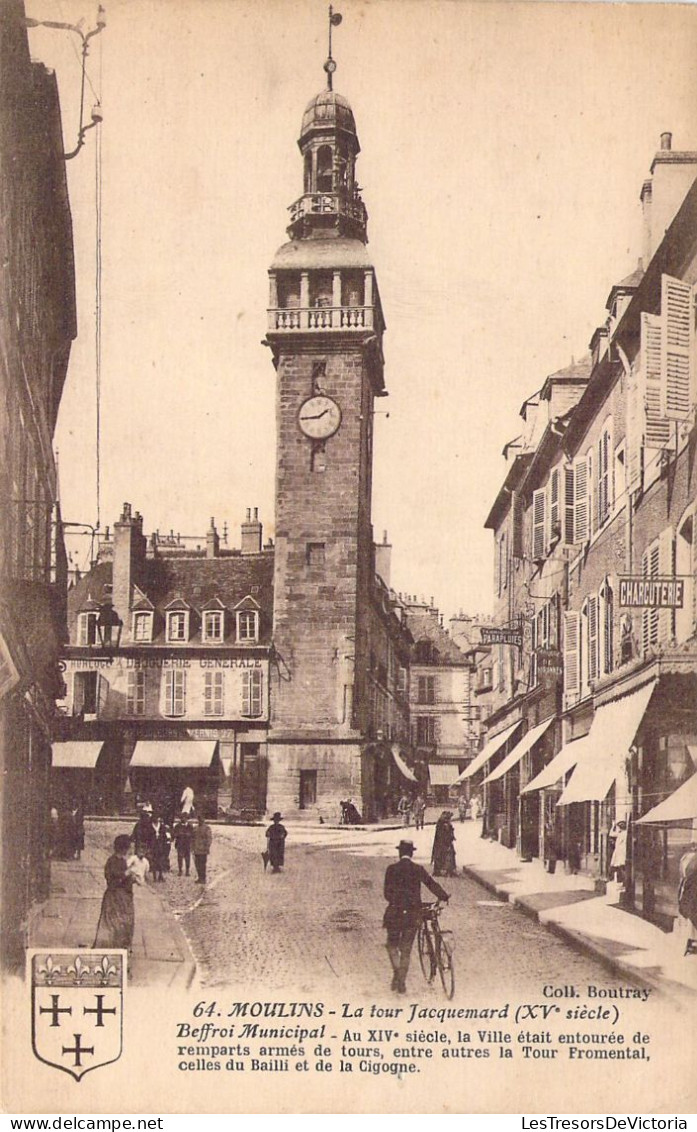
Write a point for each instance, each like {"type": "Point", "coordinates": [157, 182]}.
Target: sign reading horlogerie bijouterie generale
{"type": "Point", "coordinates": [652, 593]}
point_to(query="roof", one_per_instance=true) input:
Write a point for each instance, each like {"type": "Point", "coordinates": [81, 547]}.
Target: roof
{"type": "Point", "coordinates": [328, 109]}
{"type": "Point", "coordinates": [331, 252]}
{"type": "Point", "coordinates": [514, 476]}
{"type": "Point", "coordinates": [576, 373]}
{"type": "Point", "coordinates": [629, 283]}
{"type": "Point", "coordinates": [196, 581]}
{"type": "Point", "coordinates": [426, 627]}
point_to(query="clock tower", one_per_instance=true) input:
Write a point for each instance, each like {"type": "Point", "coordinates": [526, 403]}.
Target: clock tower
{"type": "Point", "coordinates": [325, 330]}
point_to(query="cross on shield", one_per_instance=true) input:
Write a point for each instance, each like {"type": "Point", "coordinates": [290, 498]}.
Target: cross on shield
{"type": "Point", "coordinates": [77, 1008]}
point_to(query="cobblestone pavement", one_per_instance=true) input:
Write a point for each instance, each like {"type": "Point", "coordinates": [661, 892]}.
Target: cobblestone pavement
{"type": "Point", "coordinates": [315, 929]}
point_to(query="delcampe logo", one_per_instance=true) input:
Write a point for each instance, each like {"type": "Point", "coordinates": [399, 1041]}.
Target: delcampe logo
{"type": "Point", "coordinates": [77, 1008]}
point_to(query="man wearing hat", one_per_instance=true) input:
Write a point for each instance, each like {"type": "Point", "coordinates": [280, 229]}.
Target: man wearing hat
{"type": "Point", "coordinates": [276, 841]}
{"type": "Point", "coordinates": [403, 881]}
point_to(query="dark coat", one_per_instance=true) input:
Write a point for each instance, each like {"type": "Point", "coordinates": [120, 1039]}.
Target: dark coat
{"type": "Point", "coordinates": [276, 839]}
{"type": "Point", "coordinates": [403, 881]}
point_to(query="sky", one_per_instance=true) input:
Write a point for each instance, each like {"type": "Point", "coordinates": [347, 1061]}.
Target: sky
{"type": "Point", "coordinates": [503, 149]}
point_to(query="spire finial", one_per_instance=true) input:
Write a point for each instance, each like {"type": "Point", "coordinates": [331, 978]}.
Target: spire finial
{"type": "Point", "coordinates": [330, 65]}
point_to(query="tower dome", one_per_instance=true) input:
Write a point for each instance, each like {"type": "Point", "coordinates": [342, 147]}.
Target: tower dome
{"type": "Point", "coordinates": [328, 111]}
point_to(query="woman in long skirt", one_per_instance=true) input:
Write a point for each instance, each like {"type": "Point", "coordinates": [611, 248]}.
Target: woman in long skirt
{"type": "Point", "coordinates": [117, 919]}
{"type": "Point", "coordinates": [443, 852]}
{"type": "Point", "coordinates": [276, 841]}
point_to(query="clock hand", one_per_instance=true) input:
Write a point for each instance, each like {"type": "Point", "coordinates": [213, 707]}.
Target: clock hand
{"type": "Point", "coordinates": [315, 416]}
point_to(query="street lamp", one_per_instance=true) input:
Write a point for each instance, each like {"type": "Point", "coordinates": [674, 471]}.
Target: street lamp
{"type": "Point", "coordinates": [109, 626]}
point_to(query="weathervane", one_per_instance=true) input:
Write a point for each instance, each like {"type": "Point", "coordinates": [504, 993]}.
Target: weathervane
{"type": "Point", "coordinates": [330, 65]}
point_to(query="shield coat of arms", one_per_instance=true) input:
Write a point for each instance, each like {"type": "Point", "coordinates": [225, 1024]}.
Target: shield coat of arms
{"type": "Point", "coordinates": [77, 1008]}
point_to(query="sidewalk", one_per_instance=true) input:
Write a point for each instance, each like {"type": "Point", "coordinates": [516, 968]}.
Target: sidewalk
{"type": "Point", "coordinates": [161, 954]}
{"type": "Point", "coordinates": [568, 905]}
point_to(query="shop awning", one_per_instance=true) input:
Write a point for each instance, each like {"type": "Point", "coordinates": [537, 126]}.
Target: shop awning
{"type": "Point", "coordinates": [513, 757]}
{"type": "Point", "coordinates": [488, 750]}
{"type": "Point", "coordinates": [680, 806]}
{"type": "Point", "coordinates": [442, 775]}
{"type": "Point", "coordinates": [402, 766]}
{"type": "Point", "coordinates": [175, 754]}
{"type": "Point", "coordinates": [612, 733]}
{"type": "Point", "coordinates": [75, 755]}
{"type": "Point", "coordinates": [561, 764]}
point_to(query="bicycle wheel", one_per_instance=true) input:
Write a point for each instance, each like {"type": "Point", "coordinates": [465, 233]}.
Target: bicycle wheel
{"type": "Point", "coordinates": [444, 960]}
{"type": "Point", "coordinates": [426, 957]}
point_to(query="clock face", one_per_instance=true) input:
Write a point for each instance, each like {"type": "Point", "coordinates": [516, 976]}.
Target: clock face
{"type": "Point", "coordinates": [319, 417]}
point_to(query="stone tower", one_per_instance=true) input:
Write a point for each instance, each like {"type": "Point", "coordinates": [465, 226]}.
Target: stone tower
{"type": "Point", "coordinates": [325, 330]}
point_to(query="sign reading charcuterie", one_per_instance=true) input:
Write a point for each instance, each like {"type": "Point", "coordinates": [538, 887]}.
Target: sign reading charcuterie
{"type": "Point", "coordinates": [652, 593]}
{"type": "Point", "coordinates": [491, 636]}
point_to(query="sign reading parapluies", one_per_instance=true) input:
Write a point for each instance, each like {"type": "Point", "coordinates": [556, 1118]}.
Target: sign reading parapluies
{"type": "Point", "coordinates": [492, 636]}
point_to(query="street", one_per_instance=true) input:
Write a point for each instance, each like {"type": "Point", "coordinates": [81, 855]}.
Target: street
{"type": "Point", "coordinates": [316, 928]}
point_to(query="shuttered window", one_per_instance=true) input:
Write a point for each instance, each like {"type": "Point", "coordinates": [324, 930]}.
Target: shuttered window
{"type": "Point", "coordinates": [571, 654]}
{"type": "Point", "coordinates": [607, 613]}
{"type": "Point", "coordinates": [605, 475]}
{"type": "Point", "coordinates": [554, 523]}
{"type": "Point", "coordinates": [676, 385]}
{"type": "Point", "coordinates": [252, 692]}
{"type": "Point", "coordinates": [581, 517]}
{"type": "Point", "coordinates": [592, 644]}
{"type": "Point", "coordinates": [175, 692]}
{"type": "Point", "coordinates": [532, 672]}
{"type": "Point", "coordinates": [569, 504]}
{"type": "Point", "coordinates": [538, 525]}
{"type": "Point", "coordinates": [657, 431]}
{"type": "Point", "coordinates": [649, 617]}
{"type": "Point", "coordinates": [635, 430]}
{"type": "Point", "coordinates": [213, 691]}
{"type": "Point", "coordinates": [136, 692]}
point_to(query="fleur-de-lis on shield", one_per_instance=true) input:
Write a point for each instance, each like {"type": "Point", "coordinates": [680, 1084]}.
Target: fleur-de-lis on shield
{"type": "Point", "coordinates": [50, 970]}
{"type": "Point", "coordinates": [104, 969]}
{"type": "Point", "coordinates": [79, 969]}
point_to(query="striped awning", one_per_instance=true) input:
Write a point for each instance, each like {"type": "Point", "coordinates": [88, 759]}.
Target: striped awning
{"type": "Point", "coordinates": [75, 755]}
{"type": "Point", "coordinates": [181, 754]}
{"type": "Point", "coordinates": [488, 750]}
{"type": "Point", "coordinates": [442, 775]}
{"type": "Point", "coordinates": [526, 744]}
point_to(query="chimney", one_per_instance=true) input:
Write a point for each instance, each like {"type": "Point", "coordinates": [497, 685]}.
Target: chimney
{"type": "Point", "coordinates": [672, 174]}
{"type": "Point", "coordinates": [251, 533]}
{"type": "Point", "coordinates": [212, 541]}
{"type": "Point", "coordinates": [129, 560]}
{"type": "Point", "coordinates": [383, 559]}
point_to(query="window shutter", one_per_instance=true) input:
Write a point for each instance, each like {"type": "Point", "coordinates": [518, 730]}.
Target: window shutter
{"type": "Point", "coordinates": [571, 650]}
{"type": "Point", "coordinates": [102, 693]}
{"type": "Point", "coordinates": [666, 568]}
{"type": "Point", "coordinates": [676, 308]}
{"type": "Point", "coordinates": [169, 686]}
{"type": "Point", "coordinates": [517, 535]}
{"type": "Point", "coordinates": [179, 698]}
{"type": "Point", "coordinates": [538, 525]}
{"type": "Point", "coordinates": [649, 617]}
{"type": "Point", "coordinates": [635, 431]}
{"type": "Point", "coordinates": [607, 606]}
{"type": "Point", "coordinates": [569, 503]}
{"type": "Point", "coordinates": [581, 523]}
{"type": "Point", "coordinates": [592, 508]}
{"type": "Point", "coordinates": [592, 638]}
{"type": "Point", "coordinates": [532, 675]}
{"type": "Point", "coordinates": [554, 525]}
{"type": "Point", "coordinates": [657, 429]}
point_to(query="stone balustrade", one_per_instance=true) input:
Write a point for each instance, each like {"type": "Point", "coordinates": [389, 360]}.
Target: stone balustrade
{"type": "Point", "coordinates": [321, 318]}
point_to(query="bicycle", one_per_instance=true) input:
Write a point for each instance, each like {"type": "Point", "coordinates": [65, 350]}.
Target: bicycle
{"type": "Point", "coordinates": [436, 948]}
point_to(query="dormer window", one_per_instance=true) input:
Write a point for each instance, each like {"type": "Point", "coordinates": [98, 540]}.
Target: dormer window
{"type": "Point", "coordinates": [213, 626]}
{"type": "Point", "coordinates": [247, 626]}
{"type": "Point", "coordinates": [87, 628]}
{"type": "Point", "coordinates": [177, 625]}
{"type": "Point", "coordinates": [142, 626]}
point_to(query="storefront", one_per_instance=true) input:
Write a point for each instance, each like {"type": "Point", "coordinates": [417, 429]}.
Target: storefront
{"type": "Point", "coordinates": [160, 770]}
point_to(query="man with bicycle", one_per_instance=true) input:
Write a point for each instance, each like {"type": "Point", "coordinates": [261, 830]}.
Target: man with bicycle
{"type": "Point", "coordinates": [403, 881]}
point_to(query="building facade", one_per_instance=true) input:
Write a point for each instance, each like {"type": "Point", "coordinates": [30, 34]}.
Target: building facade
{"type": "Point", "coordinates": [595, 564]}
{"type": "Point", "coordinates": [37, 326]}
{"type": "Point", "coordinates": [167, 673]}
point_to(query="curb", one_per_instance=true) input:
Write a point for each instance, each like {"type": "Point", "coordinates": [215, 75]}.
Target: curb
{"type": "Point", "coordinates": [578, 941]}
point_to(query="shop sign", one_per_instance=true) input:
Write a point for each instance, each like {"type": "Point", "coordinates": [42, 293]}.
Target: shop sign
{"type": "Point", "coordinates": [652, 593]}
{"type": "Point", "coordinates": [549, 662]}
{"type": "Point", "coordinates": [492, 636]}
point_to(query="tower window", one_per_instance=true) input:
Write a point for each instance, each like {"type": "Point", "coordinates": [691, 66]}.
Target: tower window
{"type": "Point", "coordinates": [325, 165]}
{"type": "Point", "coordinates": [315, 554]}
